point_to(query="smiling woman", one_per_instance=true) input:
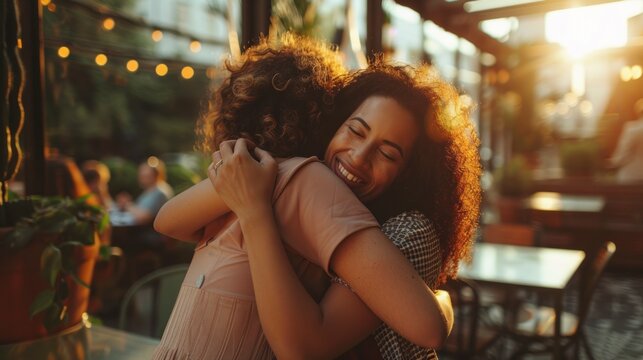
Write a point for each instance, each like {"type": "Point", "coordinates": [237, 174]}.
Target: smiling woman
{"type": "Point", "coordinates": [368, 151]}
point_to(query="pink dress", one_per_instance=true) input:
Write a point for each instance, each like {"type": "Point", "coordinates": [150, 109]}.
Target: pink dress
{"type": "Point", "coordinates": [215, 315]}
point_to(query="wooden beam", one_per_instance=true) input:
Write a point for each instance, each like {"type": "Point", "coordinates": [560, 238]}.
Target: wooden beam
{"type": "Point", "coordinates": [540, 7]}
{"type": "Point", "coordinates": [443, 13]}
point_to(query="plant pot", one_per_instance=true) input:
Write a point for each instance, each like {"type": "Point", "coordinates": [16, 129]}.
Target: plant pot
{"type": "Point", "coordinates": [21, 277]}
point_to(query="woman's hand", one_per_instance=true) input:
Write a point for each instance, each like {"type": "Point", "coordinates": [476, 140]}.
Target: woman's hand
{"type": "Point", "coordinates": [244, 184]}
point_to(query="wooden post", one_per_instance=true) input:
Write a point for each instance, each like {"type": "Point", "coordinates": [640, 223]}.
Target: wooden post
{"type": "Point", "coordinates": [374, 25]}
{"type": "Point", "coordinates": [33, 58]}
{"type": "Point", "coordinates": [255, 20]}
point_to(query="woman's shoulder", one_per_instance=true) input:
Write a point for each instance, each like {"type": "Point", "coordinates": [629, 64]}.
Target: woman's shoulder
{"type": "Point", "coordinates": [307, 172]}
{"type": "Point", "coordinates": [408, 222]}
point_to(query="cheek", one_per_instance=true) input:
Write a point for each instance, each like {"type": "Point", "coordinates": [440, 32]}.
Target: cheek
{"type": "Point", "coordinates": [385, 176]}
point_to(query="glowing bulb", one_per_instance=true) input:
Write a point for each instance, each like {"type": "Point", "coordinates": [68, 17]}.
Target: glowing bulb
{"type": "Point", "coordinates": [636, 72]}
{"type": "Point", "coordinates": [586, 107]}
{"type": "Point", "coordinates": [626, 73]}
{"type": "Point", "coordinates": [45, 2]}
{"type": "Point", "coordinates": [157, 35]}
{"type": "Point", "coordinates": [195, 46]}
{"type": "Point", "coordinates": [63, 52]}
{"type": "Point", "coordinates": [187, 72]}
{"type": "Point", "coordinates": [153, 161]}
{"type": "Point", "coordinates": [503, 76]}
{"type": "Point", "coordinates": [161, 69]}
{"type": "Point", "coordinates": [101, 59]}
{"type": "Point", "coordinates": [132, 65]}
{"type": "Point", "coordinates": [109, 24]}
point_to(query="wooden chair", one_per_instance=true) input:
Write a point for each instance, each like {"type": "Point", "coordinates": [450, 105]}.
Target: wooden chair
{"type": "Point", "coordinates": [468, 337]}
{"type": "Point", "coordinates": [536, 335]}
{"type": "Point", "coordinates": [148, 303]}
{"type": "Point", "coordinates": [511, 234]}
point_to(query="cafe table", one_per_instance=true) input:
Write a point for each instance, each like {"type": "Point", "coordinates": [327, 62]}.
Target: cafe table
{"type": "Point", "coordinates": [84, 341]}
{"type": "Point", "coordinates": [546, 271]}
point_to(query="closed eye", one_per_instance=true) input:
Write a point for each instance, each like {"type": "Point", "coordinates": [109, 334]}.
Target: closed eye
{"type": "Point", "coordinates": [355, 131]}
{"type": "Point", "coordinates": [387, 155]}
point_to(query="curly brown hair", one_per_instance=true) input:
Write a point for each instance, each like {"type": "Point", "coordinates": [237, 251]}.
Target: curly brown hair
{"type": "Point", "coordinates": [276, 95]}
{"type": "Point", "coordinates": [443, 174]}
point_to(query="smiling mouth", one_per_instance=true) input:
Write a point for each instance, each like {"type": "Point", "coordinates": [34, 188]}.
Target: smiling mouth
{"type": "Point", "coordinates": [350, 178]}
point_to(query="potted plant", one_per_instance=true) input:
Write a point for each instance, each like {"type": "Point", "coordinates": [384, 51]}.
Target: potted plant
{"type": "Point", "coordinates": [513, 182]}
{"type": "Point", "coordinates": [48, 247]}
{"type": "Point", "coordinates": [580, 158]}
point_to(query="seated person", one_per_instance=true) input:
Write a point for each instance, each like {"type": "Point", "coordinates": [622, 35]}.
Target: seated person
{"type": "Point", "coordinates": [156, 191]}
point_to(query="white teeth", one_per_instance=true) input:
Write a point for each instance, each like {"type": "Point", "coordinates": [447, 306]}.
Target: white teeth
{"type": "Point", "coordinates": [347, 175]}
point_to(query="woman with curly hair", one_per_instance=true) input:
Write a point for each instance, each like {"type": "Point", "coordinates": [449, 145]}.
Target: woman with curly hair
{"type": "Point", "coordinates": [429, 211]}
{"type": "Point", "coordinates": [321, 222]}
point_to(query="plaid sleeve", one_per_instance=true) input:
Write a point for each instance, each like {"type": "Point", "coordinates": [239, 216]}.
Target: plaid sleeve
{"type": "Point", "coordinates": [418, 240]}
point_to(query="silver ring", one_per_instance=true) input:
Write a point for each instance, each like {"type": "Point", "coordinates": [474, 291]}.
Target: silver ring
{"type": "Point", "coordinates": [216, 166]}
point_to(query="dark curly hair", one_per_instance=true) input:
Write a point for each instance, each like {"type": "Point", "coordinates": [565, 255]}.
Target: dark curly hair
{"type": "Point", "coordinates": [276, 95]}
{"type": "Point", "coordinates": [442, 177]}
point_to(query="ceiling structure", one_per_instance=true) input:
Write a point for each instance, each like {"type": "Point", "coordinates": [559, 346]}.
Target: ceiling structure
{"type": "Point", "coordinates": [462, 17]}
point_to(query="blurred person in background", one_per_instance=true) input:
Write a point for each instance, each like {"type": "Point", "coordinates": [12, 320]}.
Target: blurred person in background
{"type": "Point", "coordinates": [156, 191]}
{"type": "Point", "coordinates": [97, 177]}
{"type": "Point", "coordinates": [628, 156]}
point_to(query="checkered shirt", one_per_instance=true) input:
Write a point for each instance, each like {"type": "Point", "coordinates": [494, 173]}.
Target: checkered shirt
{"type": "Point", "coordinates": [418, 240]}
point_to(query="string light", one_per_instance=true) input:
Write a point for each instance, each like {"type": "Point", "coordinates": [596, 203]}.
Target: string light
{"type": "Point", "coordinates": [161, 69]}
{"type": "Point", "coordinates": [636, 72]}
{"type": "Point", "coordinates": [101, 59]}
{"type": "Point", "coordinates": [109, 24]}
{"type": "Point", "coordinates": [187, 72]}
{"type": "Point", "coordinates": [132, 65]}
{"type": "Point", "coordinates": [63, 52]}
{"type": "Point", "coordinates": [157, 35]}
{"type": "Point", "coordinates": [626, 73]}
{"type": "Point", "coordinates": [195, 46]}
{"type": "Point", "coordinates": [45, 2]}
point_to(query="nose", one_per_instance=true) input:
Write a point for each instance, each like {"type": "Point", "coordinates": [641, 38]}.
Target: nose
{"type": "Point", "coordinates": [360, 155]}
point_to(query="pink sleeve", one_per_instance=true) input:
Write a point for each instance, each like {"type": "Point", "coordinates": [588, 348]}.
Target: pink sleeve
{"type": "Point", "coordinates": [316, 211]}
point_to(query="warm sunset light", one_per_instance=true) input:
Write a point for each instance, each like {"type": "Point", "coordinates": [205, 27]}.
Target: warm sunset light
{"type": "Point", "coordinates": [109, 24]}
{"type": "Point", "coordinates": [157, 35]}
{"type": "Point", "coordinates": [63, 52]}
{"type": "Point", "coordinates": [101, 59]}
{"type": "Point", "coordinates": [187, 72]}
{"type": "Point", "coordinates": [586, 29]}
{"type": "Point", "coordinates": [132, 65]}
{"type": "Point", "coordinates": [211, 73]}
{"type": "Point", "coordinates": [195, 46]}
{"type": "Point", "coordinates": [161, 69]}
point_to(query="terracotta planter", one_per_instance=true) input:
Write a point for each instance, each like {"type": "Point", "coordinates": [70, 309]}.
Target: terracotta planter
{"type": "Point", "coordinates": [20, 277]}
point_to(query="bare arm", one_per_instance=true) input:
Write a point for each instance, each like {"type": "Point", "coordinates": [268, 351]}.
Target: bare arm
{"type": "Point", "coordinates": [295, 325]}
{"type": "Point", "coordinates": [185, 215]}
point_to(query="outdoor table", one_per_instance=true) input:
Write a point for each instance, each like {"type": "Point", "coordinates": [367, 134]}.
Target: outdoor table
{"type": "Point", "coordinates": [84, 341]}
{"type": "Point", "coordinates": [547, 271]}
{"type": "Point", "coordinates": [564, 210]}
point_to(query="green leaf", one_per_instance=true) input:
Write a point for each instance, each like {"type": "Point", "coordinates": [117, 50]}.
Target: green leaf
{"type": "Point", "coordinates": [51, 263]}
{"type": "Point", "coordinates": [20, 236]}
{"type": "Point", "coordinates": [104, 222]}
{"type": "Point", "coordinates": [43, 301]}
{"type": "Point", "coordinates": [54, 315]}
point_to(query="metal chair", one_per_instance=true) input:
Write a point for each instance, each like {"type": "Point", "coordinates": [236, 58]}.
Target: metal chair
{"type": "Point", "coordinates": [468, 337]}
{"type": "Point", "coordinates": [536, 335]}
{"type": "Point", "coordinates": [153, 297]}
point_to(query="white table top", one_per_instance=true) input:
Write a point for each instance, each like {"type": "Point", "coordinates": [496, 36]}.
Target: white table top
{"type": "Point", "coordinates": [522, 266]}
{"type": "Point", "coordinates": [552, 201]}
